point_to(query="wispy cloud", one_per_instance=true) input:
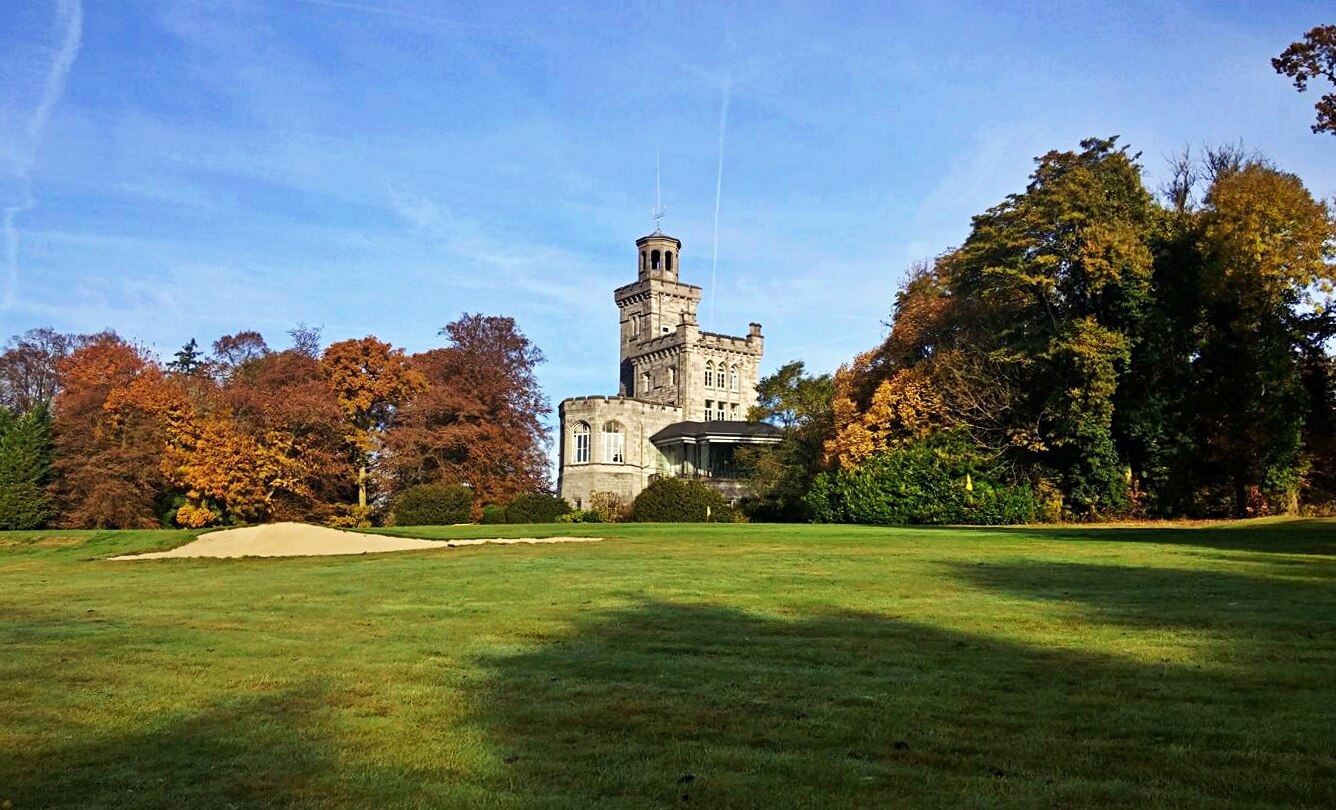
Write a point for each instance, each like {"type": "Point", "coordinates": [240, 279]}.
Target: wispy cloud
{"type": "Point", "coordinates": [399, 14]}
{"type": "Point", "coordinates": [70, 13]}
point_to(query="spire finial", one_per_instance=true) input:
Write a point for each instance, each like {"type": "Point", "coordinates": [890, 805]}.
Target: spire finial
{"type": "Point", "coordinates": [659, 210]}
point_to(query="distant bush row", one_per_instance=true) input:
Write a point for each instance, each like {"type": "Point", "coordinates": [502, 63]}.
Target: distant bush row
{"type": "Point", "coordinates": [667, 500]}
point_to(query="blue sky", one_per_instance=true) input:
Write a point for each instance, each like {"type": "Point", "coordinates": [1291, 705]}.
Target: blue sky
{"type": "Point", "coordinates": [188, 169]}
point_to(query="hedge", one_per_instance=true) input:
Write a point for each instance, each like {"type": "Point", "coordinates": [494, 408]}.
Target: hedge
{"type": "Point", "coordinates": [536, 507]}
{"type": "Point", "coordinates": [678, 500]}
{"type": "Point", "coordinates": [931, 482]}
{"type": "Point", "coordinates": [434, 505]}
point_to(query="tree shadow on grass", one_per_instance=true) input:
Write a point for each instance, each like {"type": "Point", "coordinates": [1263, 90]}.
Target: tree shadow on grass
{"type": "Point", "coordinates": [672, 705]}
{"type": "Point", "coordinates": [256, 752]}
{"type": "Point", "coordinates": [1275, 609]}
{"type": "Point", "coordinates": [1300, 536]}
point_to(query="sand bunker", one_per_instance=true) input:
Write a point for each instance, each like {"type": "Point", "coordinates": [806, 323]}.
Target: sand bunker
{"type": "Point", "coordinates": [303, 540]}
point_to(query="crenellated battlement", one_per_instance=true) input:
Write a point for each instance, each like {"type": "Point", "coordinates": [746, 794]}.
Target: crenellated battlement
{"type": "Point", "coordinates": [597, 400]}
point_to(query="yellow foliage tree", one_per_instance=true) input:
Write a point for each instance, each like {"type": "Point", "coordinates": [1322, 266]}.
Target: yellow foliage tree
{"type": "Point", "coordinates": [219, 464]}
{"type": "Point", "coordinates": [904, 408]}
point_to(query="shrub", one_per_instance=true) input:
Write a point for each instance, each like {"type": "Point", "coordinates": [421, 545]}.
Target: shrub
{"type": "Point", "coordinates": [931, 482]}
{"type": "Point", "coordinates": [582, 516]}
{"type": "Point", "coordinates": [350, 516]}
{"type": "Point", "coordinates": [195, 516]}
{"type": "Point", "coordinates": [493, 513]}
{"type": "Point", "coordinates": [434, 505]}
{"type": "Point", "coordinates": [610, 507]}
{"type": "Point", "coordinates": [23, 505]}
{"type": "Point", "coordinates": [676, 500]}
{"type": "Point", "coordinates": [536, 507]}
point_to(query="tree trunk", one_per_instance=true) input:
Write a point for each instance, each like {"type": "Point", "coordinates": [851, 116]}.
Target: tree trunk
{"type": "Point", "coordinates": [361, 486]}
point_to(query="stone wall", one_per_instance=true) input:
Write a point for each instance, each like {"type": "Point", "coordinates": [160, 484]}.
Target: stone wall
{"type": "Point", "coordinates": [641, 459]}
{"type": "Point", "coordinates": [720, 351]}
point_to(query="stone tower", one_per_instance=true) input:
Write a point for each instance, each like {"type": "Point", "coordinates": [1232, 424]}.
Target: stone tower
{"type": "Point", "coordinates": [683, 397]}
{"type": "Point", "coordinates": [652, 308]}
{"type": "Point", "coordinates": [665, 358]}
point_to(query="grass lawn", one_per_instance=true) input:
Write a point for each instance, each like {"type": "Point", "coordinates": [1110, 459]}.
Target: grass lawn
{"type": "Point", "coordinates": [715, 666]}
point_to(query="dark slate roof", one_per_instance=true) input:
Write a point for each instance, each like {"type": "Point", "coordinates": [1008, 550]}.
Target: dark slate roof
{"type": "Point", "coordinates": [722, 431]}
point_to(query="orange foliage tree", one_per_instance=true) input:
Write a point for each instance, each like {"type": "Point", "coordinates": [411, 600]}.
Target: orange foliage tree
{"type": "Point", "coordinates": [370, 380]}
{"type": "Point", "coordinates": [112, 421]}
{"type": "Point", "coordinates": [479, 422]}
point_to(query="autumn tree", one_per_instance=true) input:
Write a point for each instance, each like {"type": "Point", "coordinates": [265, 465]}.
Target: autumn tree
{"type": "Point", "coordinates": [29, 376]}
{"type": "Point", "coordinates": [370, 380]}
{"type": "Point", "coordinates": [230, 474]}
{"type": "Point", "coordinates": [480, 419]}
{"type": "Point", "coordinates": [232, 353]}
{"type": "Point", "coordinates": [287, 405]}
{"type": "Point", "coordinates": [113, 416]}
{"type": "Point", "coordinates": [1313, 57]}
{"type": "Point", "coordinates": [1020, 336]}
{"type": "Point", "coordinates": [1266, 247]}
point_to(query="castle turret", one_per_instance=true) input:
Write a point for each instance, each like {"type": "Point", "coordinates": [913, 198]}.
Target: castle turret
{"type": "Point", "coordinates": [658, 256]}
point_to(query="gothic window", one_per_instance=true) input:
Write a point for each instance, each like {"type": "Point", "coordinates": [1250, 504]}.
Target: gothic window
{"type": "Point", "coordinates": [672, 376]}
{"type": "Point", "coordinates": [668, 260]}
{"type": "Point", "coordinates": [642, 260]}
{"type": "Point", "coordinates": [581, 442]}
{"type": "Point", "coordinates": [654, 260]}
{"type": "Point", "coordinates": [733, 379]}
{"type": "Point", "coordinates": [709, 375]}
{"type": "Point", "coordinates": [614, 444]}
{"type": "Point", "coordinates": [644, 383]}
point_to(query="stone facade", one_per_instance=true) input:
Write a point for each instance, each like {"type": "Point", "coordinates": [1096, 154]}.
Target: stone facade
{"type": "Point", "coordinates": [612, 424]}
{"type": "Point", "coordinates": [670, 372]}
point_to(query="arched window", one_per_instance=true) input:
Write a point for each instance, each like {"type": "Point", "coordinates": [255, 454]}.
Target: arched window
{"type": "Point", "coordinates": [668, 260]}
{"type": "Point", "coordinates": [644, 383]}
{"type": "Point", "coordinates": [654, 260]}
{"type": "Point", "coordinates": [642, 260]}
{"type": "Point", "coordinates": [581, 434]}
{"type": "Point", "coordinates": [709, 375]}
{"type": "Point", "coordinates": [672, 376]}
{"type": "Point", "coordinates": [733, 378]}
{"type": "Point", "coordinates": [614, 444]}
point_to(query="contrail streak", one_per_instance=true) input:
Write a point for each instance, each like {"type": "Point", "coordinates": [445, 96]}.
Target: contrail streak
{"type": "Point", "coordinates": [71, 11]}
{"type": "Point", "coordinates": [718, 193]}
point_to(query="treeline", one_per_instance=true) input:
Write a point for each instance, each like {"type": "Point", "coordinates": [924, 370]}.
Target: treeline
{"type": "Point", "coordinates": [96, 432]}
{"type": "Point", "coordinates": [1089, 352]}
